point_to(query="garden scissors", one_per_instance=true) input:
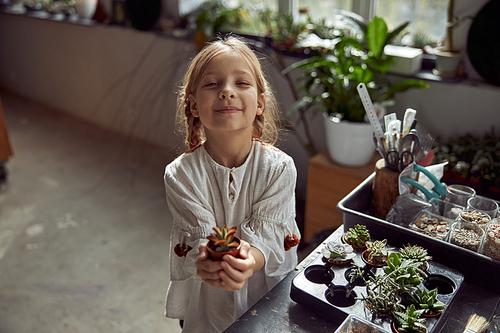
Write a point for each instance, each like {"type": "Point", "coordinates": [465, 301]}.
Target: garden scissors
{"type": "Point", "coordinates": [397, 162]}
{"type": "Point", "coordinates": [439, 190]}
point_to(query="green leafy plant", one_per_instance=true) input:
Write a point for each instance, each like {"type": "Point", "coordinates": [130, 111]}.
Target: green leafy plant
{"type": "Point", "coordinates": [416, 253]}
{"type": "Point", "coordinates": [332, 74]}
{"type": "Point", "coordinates": [427, 300]}
{"type": "Point", "coordinates": [405, 275]}
{"type": "Point", "coordinates": [338, 252]}
{"type": "Point", "coordinates": [358, 236]}
{"type": "Point", "coordinates": [409, 320]}
{"type": "Point", "coordinates": [377, 251]}
{"type": "Point", "coordinates": [223, 239]}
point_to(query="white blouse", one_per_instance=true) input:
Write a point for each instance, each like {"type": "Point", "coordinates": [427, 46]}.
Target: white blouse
{"type": "Point", "coordinates": [260, 201]}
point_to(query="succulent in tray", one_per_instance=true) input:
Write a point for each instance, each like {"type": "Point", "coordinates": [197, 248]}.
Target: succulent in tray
{"type": "Point", "coordinates": [405, 275]}
{"type": "Point", "coordinates": [337, 252]}
{"type": "Point", "coordinates": [427, 300]}
{"type": "Point", "coordinates": [410, 320]}
{"type": "Point", "coordinates": [381, 297]}
{"type": "Point", "coordinates": [357, 236]}
{"type": "Point", "coordinates": [377, 252]}
{"type": "Point", "coordinates": [416, 253]}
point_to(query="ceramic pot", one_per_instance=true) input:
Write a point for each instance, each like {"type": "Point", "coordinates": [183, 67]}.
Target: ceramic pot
{"type": "Point", "coordinates": [349, 143]}
{"type": "Point", "coordinates": [447, 63]}
{"type": "Point", "coordinates": [86, 8]}
{"type": "Point", "coordinates": [364, 256]}
{"type": "Point", "coordinates": [218, 255]}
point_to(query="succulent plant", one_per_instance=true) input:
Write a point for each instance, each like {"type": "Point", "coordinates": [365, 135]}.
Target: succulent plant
{"type": "Point", "coordinates": [338, 252]}
{"type": "Point", "coordinates": [416, 253]}
{"type": "Point", "coordinates": [410, 320]}
{"type": "Point", "coordinates": [405, 275]}
{"type": "Point", "coordinates": [377, 251]}
{"type": "Point", "coordinates": [223, 239]}
{"type": "Point", "coordinates": [427, 301]}
{"type": "Point", "coordinates": [381, 297]}
{"type": "Point", "coordinates": [358, 235]}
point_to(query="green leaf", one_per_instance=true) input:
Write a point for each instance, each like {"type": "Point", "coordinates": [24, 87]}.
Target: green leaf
{"type": "Point", "coordinates": [405, 85]}
{"type": "Point", "coordinates": [376, 36]}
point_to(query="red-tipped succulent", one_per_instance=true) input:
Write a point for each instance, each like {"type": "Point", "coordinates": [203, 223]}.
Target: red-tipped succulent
{"type": "Point", "coordinates": [223, 240]}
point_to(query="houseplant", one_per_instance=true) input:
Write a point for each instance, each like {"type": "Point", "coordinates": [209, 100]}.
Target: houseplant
{"type": "Point", "coordinates": [357, 236]}
{"type": "Point", "coordinates": [426, 300]}
{"type": "Point", "coordinates": [416, 253]}
{"type": "Point", "coordinates": [376, 253]}
{"type": "Point", "coordinates": [337, 253]}
{"type": "Point", "coordinates": [381, 297]}
{"type": "Point", "coordinates": [223, 242]}
{"type": "Point", "coordinates": [409, 320]}
{"type": "Point", "coordinates": [330, 78]}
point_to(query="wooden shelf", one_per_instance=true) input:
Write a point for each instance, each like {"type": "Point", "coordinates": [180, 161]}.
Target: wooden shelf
{"type": "Point", "coordinates": [327, 184]}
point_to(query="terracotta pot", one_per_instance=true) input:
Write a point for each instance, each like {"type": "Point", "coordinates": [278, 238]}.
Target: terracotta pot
{"type": "Point", "coordinates": [336, 263]}
{"type": "Point", "coordinates": [218, 255]}
{"type": "Point", "coordinates": [432, 314]}
{"type": "Point", "coordinates": [396, 330]}
{"type": "Point", "coordinates": [364, 256]}
{"type": "Point", "coordinates": [344, 240]}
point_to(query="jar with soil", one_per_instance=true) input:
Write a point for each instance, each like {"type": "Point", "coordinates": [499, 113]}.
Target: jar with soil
{"type": "Point", "coordinates": [467, 235]}
{"type": "Point", "coordinates": [492, 240]}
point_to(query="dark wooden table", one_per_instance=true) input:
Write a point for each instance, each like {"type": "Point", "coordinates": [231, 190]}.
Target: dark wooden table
{"type": "Point", "coordinates": [277, 312]}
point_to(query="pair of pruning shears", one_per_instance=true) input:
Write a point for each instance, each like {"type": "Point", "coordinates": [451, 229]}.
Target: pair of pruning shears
{"type": "Point", "coordinates": [439, 190]}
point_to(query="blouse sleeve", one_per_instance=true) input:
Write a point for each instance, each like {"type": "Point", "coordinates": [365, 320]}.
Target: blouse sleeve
{"type": "Point", "coordinates": [273, 218]}
{"type": "Point", "coordinates": [193, 222]}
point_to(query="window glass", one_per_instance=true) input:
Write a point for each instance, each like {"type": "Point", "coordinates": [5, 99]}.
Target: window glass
{"type": "Point", "coordinates": [186, 6]}
{"type": "Point", "coordinates": [323, 9]}
{"type": "Point", "coordinates": [428, 17]}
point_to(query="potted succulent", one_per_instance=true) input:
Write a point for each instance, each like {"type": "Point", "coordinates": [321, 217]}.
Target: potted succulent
{"type": "Point", "coordinates": [338, 253]}
{"type": "Point", "coordinates": [223, 242]}
{"type": "Point", "coordinates": [404, 274]}
{"type": "Point", "coordinates": [376, 253]}
{"type": "Point", "coordinates": [357, 236]}
{"type": "Point", "coordinates": [427, 300]}
{"type": "Point", "coordinates": [381, 297]}
{"type": "Point", "coordinates": [330, 79]}
{"type": "Point", "coordinates": [416, 253]}
{"type": "Point", "coordinates": [409, 321]}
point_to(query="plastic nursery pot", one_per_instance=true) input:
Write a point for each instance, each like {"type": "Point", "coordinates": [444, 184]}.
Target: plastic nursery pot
{"type": "Point", "coordinates": [364, 256]}
{"type": "Point", "coordinates": [433, 314]}
{"type": "Point", "coordinates": [214, 255]}
{"type": "Point", "coordinates": [354, 246]}
{"type": "Point", "coordinates": [395, 329]}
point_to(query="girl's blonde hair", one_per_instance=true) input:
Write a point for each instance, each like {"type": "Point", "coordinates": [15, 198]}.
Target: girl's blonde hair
{"type": "Point", "coordinates": [264, 126]}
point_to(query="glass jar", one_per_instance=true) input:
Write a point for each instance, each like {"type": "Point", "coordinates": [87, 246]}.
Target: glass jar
{"type": "Point", "coordinates": [466, 235]}
{"type": "Point", "coordinates": [491, 247]}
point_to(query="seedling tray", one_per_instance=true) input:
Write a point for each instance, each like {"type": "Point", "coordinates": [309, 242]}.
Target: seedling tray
{"type": "Point", "coordinates": [475, 267]}
{"type": "Point", "coordinates": [314, 284]}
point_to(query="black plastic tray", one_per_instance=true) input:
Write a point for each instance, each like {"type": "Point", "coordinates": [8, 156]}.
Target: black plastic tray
{"type": "Point", "coordinates": [475, 267]}
{"type": "Point", "coordinates": [312, 286]}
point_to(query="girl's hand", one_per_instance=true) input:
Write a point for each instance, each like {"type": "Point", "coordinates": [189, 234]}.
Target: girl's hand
{"type": "Point", "coordinates": [236, 271]}
{"type": "Point", "coordinates": [208, 269]}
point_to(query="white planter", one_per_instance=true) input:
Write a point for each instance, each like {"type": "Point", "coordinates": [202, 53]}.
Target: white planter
{"type": "Point", "coordinates": [349, 143]}
{"type": "Point", "coordinates": [86, 9]}
{"type": "Point", "coordinates": [447, 63]}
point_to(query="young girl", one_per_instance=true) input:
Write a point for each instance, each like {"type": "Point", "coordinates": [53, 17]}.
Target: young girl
{"type": "Point", "coordinates": [229, 176]}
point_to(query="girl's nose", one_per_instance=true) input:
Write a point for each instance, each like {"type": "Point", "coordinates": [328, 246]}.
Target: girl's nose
{"type": "Point", "coordinates": [227, 92]}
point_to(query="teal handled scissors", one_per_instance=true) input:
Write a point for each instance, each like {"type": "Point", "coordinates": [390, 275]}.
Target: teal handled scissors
{"type": "Point", "coordinates": [438, 191]}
